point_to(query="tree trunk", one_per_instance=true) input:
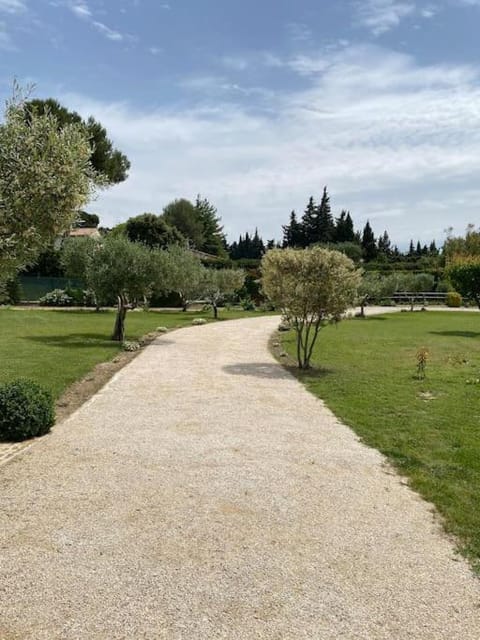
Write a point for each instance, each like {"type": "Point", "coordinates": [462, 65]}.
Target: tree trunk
{"type": "Point", "coordinates": [215, 311]}
{"type": "Point", "coordinates": [119, 328]}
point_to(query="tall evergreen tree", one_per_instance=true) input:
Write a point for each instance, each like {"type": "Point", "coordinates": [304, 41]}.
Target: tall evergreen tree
{"type": "Point", "coordinates": [293, 232]}
{"type": "Point", "coordinates": [369, 245]}
{"type": "Point", "coordinates": [257, 248]}
{"type": "Point", "coordinates": [433, 251]}
{"type": "Point", "coordinates": [324, 228]}
{"type": "Point", "coordinates": [309, 223]}
{"type": "Point", "coordinates": [344, 231]}
{"type": "Point", "coordinates": [411, 250]}
{"type": "Point", "coordinates": [214, 241]}
{"type": "Point", "coordinates": [384, 245]}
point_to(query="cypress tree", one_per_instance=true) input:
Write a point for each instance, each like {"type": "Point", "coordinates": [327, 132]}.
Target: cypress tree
{"type": "Point", "coordinates": [369, 244]}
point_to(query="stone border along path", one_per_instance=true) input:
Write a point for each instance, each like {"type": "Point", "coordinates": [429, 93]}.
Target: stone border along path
{"type": "Point", "coordinates": [205, 494]}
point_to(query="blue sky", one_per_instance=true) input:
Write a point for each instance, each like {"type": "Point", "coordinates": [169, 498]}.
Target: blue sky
{"type": "Point", "coordinates": [258, 104]}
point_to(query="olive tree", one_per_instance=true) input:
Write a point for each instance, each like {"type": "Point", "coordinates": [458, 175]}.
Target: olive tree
{"type": "Point", "coordinates": [120, 269]}
{"type": "Point", "coordinates": [45, 177]}
{"type": "Point", "coordinates": [187, 274]}
{"type": "Point", "coordinates": [217, 284]}
{"type": "Point", "coordinates": [312, 287]}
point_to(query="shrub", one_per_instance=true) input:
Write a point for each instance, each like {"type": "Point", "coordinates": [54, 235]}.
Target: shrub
{"type": "Point", "coordinates": [247, 304]}
{"type": "Point", "coordinates": [453, 299]}
{"type": "Point", "coordinates": [56, 298]}
{"type": "Point", "coordinates": [131, 346]}
{"type": "Point", "coordinates": [26, 410]}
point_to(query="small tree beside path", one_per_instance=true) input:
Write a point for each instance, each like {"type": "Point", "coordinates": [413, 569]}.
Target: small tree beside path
{"type": "Point", "coordinates": [312, 287]}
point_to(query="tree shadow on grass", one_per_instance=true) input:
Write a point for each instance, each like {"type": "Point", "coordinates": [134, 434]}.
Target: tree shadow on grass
{"type": "Point", "coordinates": [74, 340]}
{"type": "Point", "coordinates": [457, 334]}
{"type": "Point", "coordinates": [86, 340]}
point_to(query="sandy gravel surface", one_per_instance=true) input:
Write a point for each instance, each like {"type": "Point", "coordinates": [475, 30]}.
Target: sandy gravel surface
{"type": "Point", "coordinates": [204, 494]}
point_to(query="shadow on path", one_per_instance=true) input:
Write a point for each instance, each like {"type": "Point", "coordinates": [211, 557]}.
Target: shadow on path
{"type": "Point", "coordinates": [257, 370]}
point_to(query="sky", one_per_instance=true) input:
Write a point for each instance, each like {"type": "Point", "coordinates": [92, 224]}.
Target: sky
{"type": "Point", "coordinates": [258, 104]}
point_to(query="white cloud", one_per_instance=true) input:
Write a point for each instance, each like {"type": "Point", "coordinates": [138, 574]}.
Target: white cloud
{"type": "Point", "coordinates": [107, 32]}
{"type": "Point", "coordinates": [394, 141]}
{"type": "Point", "coordinates": [81, 9]}
{"type": "Point", "coordinates": [13, 6]}
{"type": "Point", "coordinates": [155, 51]}
{"type": "Point", "coordinates": [379, 16]}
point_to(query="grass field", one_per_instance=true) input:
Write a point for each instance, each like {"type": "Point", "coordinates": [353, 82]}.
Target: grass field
{"type": "Point", "coordinates": [56, 348]}
{"type": "Point", "coordinates": [429, 429]}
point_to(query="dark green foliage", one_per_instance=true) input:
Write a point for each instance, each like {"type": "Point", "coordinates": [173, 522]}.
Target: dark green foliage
{"type": "Point", "coordinates": [87, 220]}
{"type": "Point", "coordinates": [152, 231]}
{"type": "Point", "coordinates": [214, 241]}
{"type": "Point", "coordinates": [325, 227]}
{"type": "Point", "coordinates": [11, 291]}
{"type": "Point", "coordinates": [109, 162]}
{"type": "Point", "coordinates": [384, 246]}
{"type": "Point", "coordinates": [369, 244]}
{"type": "Point", "coordinates": [48, 264]}
{"type": "Point", "coordinates": [344, 231]}
{"type": "Point", "coordinates": [309, 223]}
{"type": "Point", "coordinates": [464, 274]}
{"type": "Point", "coordinates": [293, 235]}
{"type": "Point", "coordinates": [26, 410]}
{"type": "Point", "coordinates": [183, 215]}
{"type": "Point", "coordinates": [248, 247]}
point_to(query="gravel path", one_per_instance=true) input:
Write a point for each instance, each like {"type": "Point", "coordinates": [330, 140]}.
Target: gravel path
{"type": "Point", "coordinates": [204, 494]}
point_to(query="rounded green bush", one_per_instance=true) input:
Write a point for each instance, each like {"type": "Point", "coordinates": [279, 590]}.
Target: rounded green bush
{"type": "Point", "coordinates": [453, 299]}
{"type": "Point", "coordinates": [26, 410]}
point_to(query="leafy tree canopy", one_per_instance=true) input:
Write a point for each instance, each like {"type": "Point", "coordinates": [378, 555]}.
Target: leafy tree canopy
{"type": "Point", "coordinates": [153, 231]}
{"type": "Point", "coordinates": [183, 215]}
{"type": "Point", "coordinates": [45, 177]}
{"type": "Point", "coordinates": [107, 161]}
{"type": "Point", "coordinates": [312, 287]}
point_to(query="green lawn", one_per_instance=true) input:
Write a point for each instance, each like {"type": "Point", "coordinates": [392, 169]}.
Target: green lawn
{"type": "Point", "coordinates": [57, 347]}
{"type": "Point", "coordinates": [430, 429]}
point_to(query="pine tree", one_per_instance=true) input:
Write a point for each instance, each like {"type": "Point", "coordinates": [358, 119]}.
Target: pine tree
{"type": "Point", "coordinates": [433, 251]}
{"type": "Point", "coordinates": [340, 224]}
{"type": "Point", "coordinates": [309, 223]}
{"type": "Point", "coordinates": [384, 245]}
{"type": "Point", "coordinates": [418, 250]}
{"type": "Point", "coordinates": [257, 247]}
{"type": "Point", "coordinates": [369, 244]}
{"type": "Point", "coordinates": [344, 231]}
{"type": "Point", "coordinates": [349, 230]}
{"type": "Point", "coordinates": [324, 229]}
{"type": "Point", "coordinates": [411, 250]}
{"type": "Point", "coordinates": [293, 233]}
{"type": "Point", "coordinates": [214, 238]}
